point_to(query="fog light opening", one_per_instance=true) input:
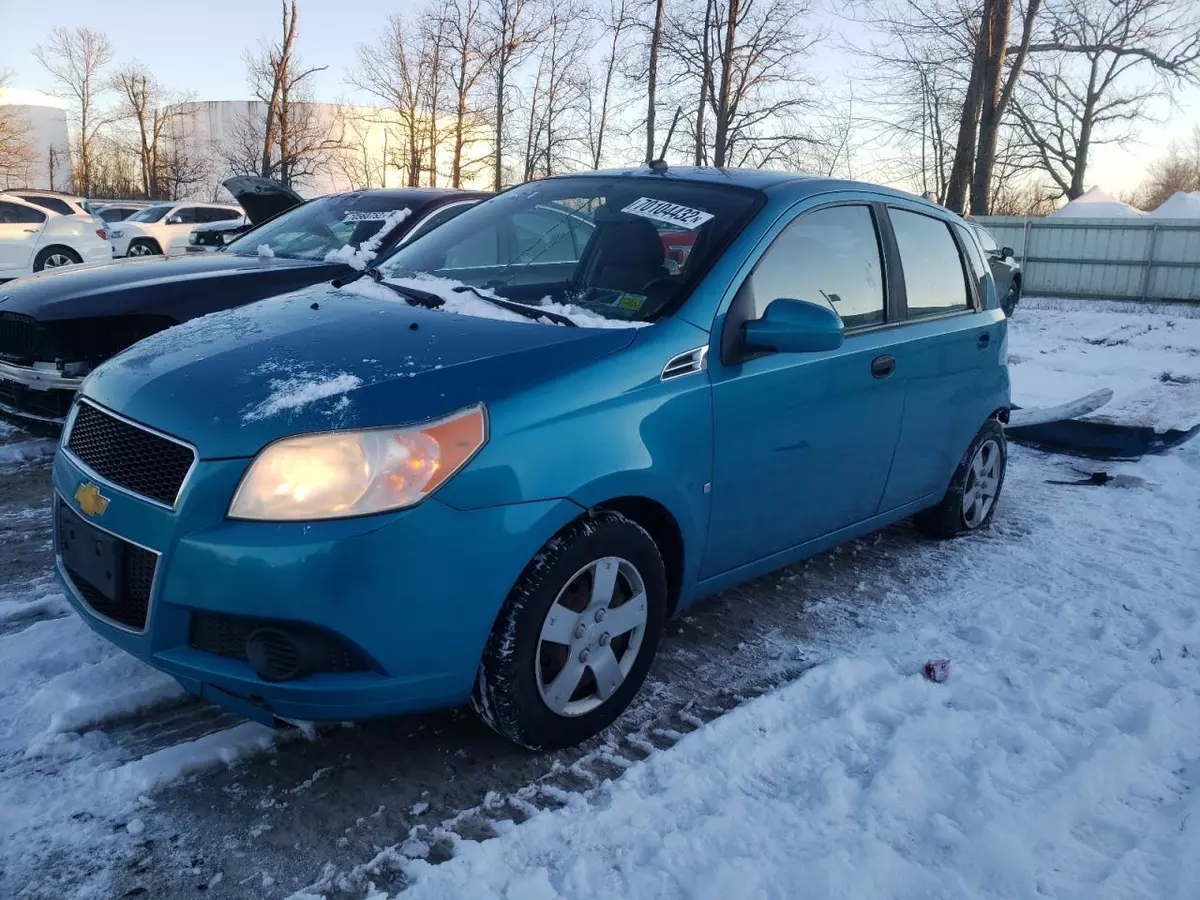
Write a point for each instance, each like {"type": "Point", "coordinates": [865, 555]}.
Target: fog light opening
{"type": "Point", "coordinates": [279, 655]}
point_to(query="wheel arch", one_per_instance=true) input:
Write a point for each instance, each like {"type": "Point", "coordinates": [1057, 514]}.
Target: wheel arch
{"type": "Point", "coordinates": [146, 239]}
{"type": "Point", "coordinates": [664, 530]}
{"type": "Point", "coordinates": [45, 251]}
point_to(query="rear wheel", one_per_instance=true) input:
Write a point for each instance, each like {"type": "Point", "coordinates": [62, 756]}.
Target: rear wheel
{"type": "Point", "coordinates": [970, 501]}
{"type": "Point", "coordinates": [54, 257]}
{"type": "Point", "coordinates": [576, 637]}
{"type": "Point", "coordinates": [143, 247]}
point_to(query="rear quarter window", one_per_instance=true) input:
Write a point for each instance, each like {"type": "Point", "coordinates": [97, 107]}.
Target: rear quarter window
{"type": "Point", "coordinates": [934, 279]}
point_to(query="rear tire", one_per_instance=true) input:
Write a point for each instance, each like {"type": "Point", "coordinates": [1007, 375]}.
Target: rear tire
{"type": "Point", "coordinates": [143, 247]}
{"type": "Point", "coordinates": [56, 257]}
{"type": "Point", "coordinates": [558, 667]}
{"type": "Point", "coordinates": [970, 501]}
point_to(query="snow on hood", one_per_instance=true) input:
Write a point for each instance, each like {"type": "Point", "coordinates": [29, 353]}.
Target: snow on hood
{"type": "Point", "coordinates": [322, 358]}
{"type": "Point", "coordinates": [466, 303]}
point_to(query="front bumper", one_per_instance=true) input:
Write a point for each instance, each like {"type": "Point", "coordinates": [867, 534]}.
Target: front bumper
{"type": "Point", "coordinates": [39, 393]}
{"type": "Point", "coordinates": [413, 593]}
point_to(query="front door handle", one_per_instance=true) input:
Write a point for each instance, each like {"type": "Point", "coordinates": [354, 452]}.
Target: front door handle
{"type": "Point", "coordinates": [30, 230]}
{"type": "Point", "coordinates": [883, 366]}
{"type": "Point", "coordinates": [985, 338]}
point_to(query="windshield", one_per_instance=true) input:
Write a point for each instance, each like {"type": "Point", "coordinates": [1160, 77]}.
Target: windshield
{"type": "Point", "coordinates": [150, 214]}
{"type": "Point", "coordinates": [626, 248]}
{"type": "Point", "coordinates": [321, 227]}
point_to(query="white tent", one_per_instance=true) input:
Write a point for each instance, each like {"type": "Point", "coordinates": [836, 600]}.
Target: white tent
{"type": "Point", "coordinates": [1096, 204]}
{"type": "Point", "coordinates": [1180, 205]}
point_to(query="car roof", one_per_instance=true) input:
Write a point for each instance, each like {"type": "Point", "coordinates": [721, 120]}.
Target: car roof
{"type": "Point", "coordinates": [770, 181]}
{"type": "Point", "coordinates": [418, 196]}
{"type": "Point", "coordinates": [10, 197]}
{"type": "Point", "coordinates": [46, 192]}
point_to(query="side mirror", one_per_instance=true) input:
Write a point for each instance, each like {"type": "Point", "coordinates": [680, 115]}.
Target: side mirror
{"type": "Point", "coordinates": [1007, 253]}
{"type": "Point", "coordinates": [174, 220]}
{"type": "Point", "coordinates": [793, 326]}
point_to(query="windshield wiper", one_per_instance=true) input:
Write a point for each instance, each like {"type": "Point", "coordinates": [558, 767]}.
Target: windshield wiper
{"type": "Point", "coordinates": [529, 312]}
{"type": "Point", "coordinates": [414, 296]}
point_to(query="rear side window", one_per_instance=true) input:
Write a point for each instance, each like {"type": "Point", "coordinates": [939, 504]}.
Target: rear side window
{"type": "Point", "coordinates": [933, 272]}
{"type": "Point", "coordinates": [829, 257]}
{"type": "Point", "coordinates": [51, 203]}
{"type": "Point", "coordinates": [978, 265]}
{"type": "Point", "coordinates": [15, 214]}
{"type": "Point", "coordinates": [217, 214]}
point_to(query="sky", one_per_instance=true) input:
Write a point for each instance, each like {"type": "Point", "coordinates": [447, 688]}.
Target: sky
{"type": "Point", "coordinates": [198, 48]}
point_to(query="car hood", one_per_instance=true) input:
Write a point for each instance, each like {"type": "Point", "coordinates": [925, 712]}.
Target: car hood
{"type": "Point", "coordinates": [72, 291]}
{"type": "Point", "coordinates": [261, 198]}
{"type": "Point", "coordinates": [322, 359]}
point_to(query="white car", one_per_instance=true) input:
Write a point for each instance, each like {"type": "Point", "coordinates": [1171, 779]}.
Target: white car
{"type": "Point", "coordinates": [163, 229]}
{"type": "Point", "coordinates": [33, 238]}
{"type": "Point", "coordinates": [55, 201]}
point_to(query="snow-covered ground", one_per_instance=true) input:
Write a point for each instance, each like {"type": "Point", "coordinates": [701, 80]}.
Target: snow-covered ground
{"type": "Point", "coordinates": [1060, 759]}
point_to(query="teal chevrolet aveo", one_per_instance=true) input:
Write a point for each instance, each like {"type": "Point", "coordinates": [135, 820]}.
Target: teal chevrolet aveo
{"type": "Point", "coordinates": [490, 469]}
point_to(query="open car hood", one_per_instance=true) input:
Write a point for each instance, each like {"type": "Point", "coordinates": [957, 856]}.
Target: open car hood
{"type": "Point", "coordinates": [261, 198]}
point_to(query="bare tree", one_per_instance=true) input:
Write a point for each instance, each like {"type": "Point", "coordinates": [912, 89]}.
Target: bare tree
{"type": "Point", "coordinates": [1178, 170]}
{"type": "Point", "coordinates": [1079, 92]}
{"type": "Point", "coordinates": [460, 24]}
{"type": "Point", "coordinates": [616, 24]}
{"type": "Point", "coordinates": [558, 104]}
{"type": "Point", "coordinates": [76, 58]}
{"type": "Point", "coordinates": [400, 69]}
{"type": "Point", "coordinates": [294, 140]}
{"type": "Point", "coordinates": [151, 109]}
{"type": "Point", "coordinates": [744, 58]}
{"type": "Point", "coordinates": [509, 32]}
{"type": "Point", "coordinates": [656, 32]}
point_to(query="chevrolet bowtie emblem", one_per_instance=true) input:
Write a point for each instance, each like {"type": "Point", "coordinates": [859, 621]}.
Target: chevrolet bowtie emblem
{"type": "Point", "coordinates": [91, 501]}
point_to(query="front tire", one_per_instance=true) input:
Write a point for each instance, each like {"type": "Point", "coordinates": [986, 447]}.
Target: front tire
{"type": "Point", "coordinates": [576, 637]}
{"type": "Point", "coordinates": [970, 501]}
{"type": "Point", "coordinates": [143, 247]}
{"type": "Point", "coordinates": [1009, 303]}
{"type": "Point", "coordinates": [56, 257]}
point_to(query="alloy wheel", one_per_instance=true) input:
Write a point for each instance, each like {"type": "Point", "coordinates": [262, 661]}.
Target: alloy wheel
{"type": "Point", "coordinates": [591, 636]}
{"type": "Point", "coordinates": [54, 260]}
{"type": "Point", "coordinates": [983, 481]}
{"type": "Point", "coordinates": [140, 250]}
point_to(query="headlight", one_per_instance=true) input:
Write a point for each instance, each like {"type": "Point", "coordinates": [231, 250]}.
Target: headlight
{"type": "Point", "coordinates": [353, 473]}
{"type": "Point", "coordinates": [116, 234]}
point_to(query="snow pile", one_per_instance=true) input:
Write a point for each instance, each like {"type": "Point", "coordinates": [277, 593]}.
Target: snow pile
{"type": "Point", "coordinates": [1059, 759]}
{"type": "Point", "coordinates": [1096, 204]}
{"type": "Point", "coordinates": [296, 391]}
{"type": "Point", "coordinates": [1150, 361]}
{"type": "Point", "coordinates": [265, 251]}
{"type": "Point", "coordinates": [1180, 205]}
{"type": "Point", "coordinates": [65, 782]}
{"type": "Point", "coordinates": [360, 257]}
{"type": "Point", "coordinates": [26, 451]}
{"type": "Point", "coordinates": [466, 303]}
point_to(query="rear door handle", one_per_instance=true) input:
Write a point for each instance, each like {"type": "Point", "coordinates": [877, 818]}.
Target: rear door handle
{"type": "Point", "coordinates": [30, 230]}
{"type": "Point", "coordinates": [883, 366]}
{"type": "Point", "coordinates": [985, 338]}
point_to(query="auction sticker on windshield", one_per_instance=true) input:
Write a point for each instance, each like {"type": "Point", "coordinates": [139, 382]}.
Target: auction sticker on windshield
{"type": "Point", "coordinates": [675, 214]}
{"type": "Point", "coordinates": [367, 215]}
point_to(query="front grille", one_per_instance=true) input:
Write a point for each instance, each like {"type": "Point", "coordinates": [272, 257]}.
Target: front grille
{"type": "Point", "coordinates": [227, 635]}
{"type": "Point", "coordinates": [128, 455]}
{"type": "Point", "coordinates": [18, 336]}
{"type": "Point", "coordinates": [132, 604]}
{"type": "Point", "coordinates": [51, 404]}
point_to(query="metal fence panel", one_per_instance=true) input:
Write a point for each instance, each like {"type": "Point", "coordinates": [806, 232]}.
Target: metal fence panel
{"type": "Point", "coordinates": [1120, 259]}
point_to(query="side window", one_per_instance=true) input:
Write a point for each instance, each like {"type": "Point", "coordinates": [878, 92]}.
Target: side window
{"type": "Point", "coordinates": [441, 217]}
{"type": "Point", "coordinates": [933, 272]}
{"type": "Point", "coordinates": [987, 241]}
{"type": "Point", "coordinates": [15, 214]}
{"type": "Point", "coordinates": [482, 250]}
{"type": "Point", "coordinates": [975, 260]}
{"type": "Point", "coordinates": [223, 215]}
{"type": "Point", "coordinates": [51, 203]}
{"type": "Point", "coordinates": [187, 214]}
{"type": "Point", "coordinates": [830, 256]}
